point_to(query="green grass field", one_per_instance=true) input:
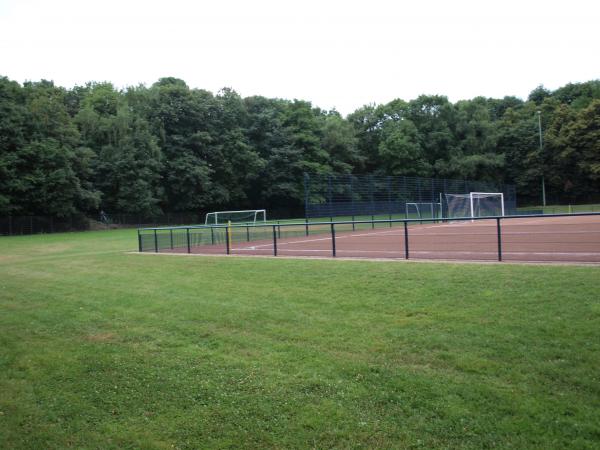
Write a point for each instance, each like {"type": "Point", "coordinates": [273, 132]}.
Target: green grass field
{"type": "Point", "coordinates": [103, 349]}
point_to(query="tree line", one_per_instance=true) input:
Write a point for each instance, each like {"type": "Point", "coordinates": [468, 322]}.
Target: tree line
{"type": "Point", "coordinates": [169, 148]}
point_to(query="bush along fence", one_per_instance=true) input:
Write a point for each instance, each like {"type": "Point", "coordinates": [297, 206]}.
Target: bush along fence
{"type": "Point", "coordinates": [21, 225]}
{"type": "Point", "coordinates": [18, 225]}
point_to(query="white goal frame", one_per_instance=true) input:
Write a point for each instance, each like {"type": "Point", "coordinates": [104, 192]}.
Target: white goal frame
{"type": "Point", "coordinates": [472, 195]}
{"type": "Point", "coordinates": [256, 213]}
{"type": "Point", "coordinates": [432, 206]}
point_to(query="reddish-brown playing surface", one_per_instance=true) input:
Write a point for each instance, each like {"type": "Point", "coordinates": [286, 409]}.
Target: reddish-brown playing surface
{"type": "Point", "coordinates": [536, 239]}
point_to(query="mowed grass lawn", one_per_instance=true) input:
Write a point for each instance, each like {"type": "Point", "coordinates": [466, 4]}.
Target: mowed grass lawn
{"type": "Point", "coordinates": [104, 349]}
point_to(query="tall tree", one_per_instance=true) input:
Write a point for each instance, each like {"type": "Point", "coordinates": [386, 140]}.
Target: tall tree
{"type": "Point", "coordinates": [46, 168]}
{"type": "Point", "coordinates": [124, 155]}
{"type": "Point", "coordinates": [184, 118]}
{"type": "Point", "coordinates": [434, 116]}
{"type": "Point", "coordinates": [338, 140]}
{"type": "Point", "coordinates": [581, 148]}
{"type": "Point", "coordinates": [400, 150]}
{"type": "Point", "coordinates": [13, 119]}
{"type": "Point", "coordinates": [474, 155]}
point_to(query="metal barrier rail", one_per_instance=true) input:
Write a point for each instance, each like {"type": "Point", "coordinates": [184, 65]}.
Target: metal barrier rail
{"type": "Point", "coordinates": [221, 234]}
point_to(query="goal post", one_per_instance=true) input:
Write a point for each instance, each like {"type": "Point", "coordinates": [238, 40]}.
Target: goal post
{"type": "Point", "coordinates": [475, 204]}
{"type": "Point", "coordinates": [423, 210]}
{"type": "Point", "coordinates": [242, 216]}
{"type": "Point", "coordinates": [487, 204]}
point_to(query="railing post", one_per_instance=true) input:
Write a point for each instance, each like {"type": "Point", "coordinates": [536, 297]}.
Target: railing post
{"type": "Point", "coordinates": [333, 239]}
{"type": "Point", "coordinates": [274, 241]}
{"type": "Point", "coordinates": [155, 242]}
{"type": "Point", "coordinates": [227, 243]}
{"type": "Point", "coordinates": [189, 246]}
{"type": "Point", "coordinates": [405, 240]}
{"type": "Point", "coordinates": [499, 239]}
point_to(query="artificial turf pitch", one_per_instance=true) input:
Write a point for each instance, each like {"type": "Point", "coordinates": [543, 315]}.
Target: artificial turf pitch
{"type": "Point", "coordinates": [100, 348]}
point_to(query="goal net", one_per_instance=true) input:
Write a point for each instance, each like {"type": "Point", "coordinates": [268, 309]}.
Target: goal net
{"type": "Point", "coordinates": [423, 210]}
{"type": "Point", "coordinates": [245, 216]}
{"type": "Point", "coordinates": [475, 204]}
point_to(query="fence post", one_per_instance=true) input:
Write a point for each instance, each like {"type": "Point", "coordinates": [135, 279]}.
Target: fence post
{"type": "Point", "coordinates": [499, 239]}
{"type": "Point", "coordinates": [353, 224]}
{"type": "Point", "coordinates": [139, 241]}
{"type": "Point", "coordinates": [155, 242]}
{"type": "Point", "coordinates": [333, 239]}
{"type": "Point", "coordinates": [279, 231]}
{"type": "Point", "coordinates": [306, 225]}
{"type": "Point", "coordinates": [189, 247]}
{"type": "Point", "coordinates": [10, 230]}
{"type": "Point", "coordinates": [372, 221]}
{"type": "Point", "coordinates": [171, 233]}
{"type": "Point", "coordinates": [227, 243]}
{"type": "Point", "coordinates": [274, 241]}
{"type": "Point", "coordinates": [212, 236]}
{"type": "Point", "coordinates": [405, 240]}
{"type": "Point", "coordinates": [247, 233]}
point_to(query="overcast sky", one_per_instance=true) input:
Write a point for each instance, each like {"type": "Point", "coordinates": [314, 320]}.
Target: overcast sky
{"type": "Point", "coordinates": [337, 54]}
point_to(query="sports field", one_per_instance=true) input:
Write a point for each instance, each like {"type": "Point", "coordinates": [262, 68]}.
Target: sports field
{"type": "Point", "coordinates": [101, 347]}
{"type": "Point", "coordinates": [568, 238]}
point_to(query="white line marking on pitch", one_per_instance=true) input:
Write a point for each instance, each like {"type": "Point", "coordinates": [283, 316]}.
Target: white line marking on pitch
{"type": "Point", "coordinates": [424, 252]}
{"type": "Point", "coordinates": [326, 238]}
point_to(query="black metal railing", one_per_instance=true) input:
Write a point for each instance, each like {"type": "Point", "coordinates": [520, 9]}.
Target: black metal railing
{"type": "Point", "coordinates": [23, 225]}
{"type": "Point", "coordinates": [481, 233]}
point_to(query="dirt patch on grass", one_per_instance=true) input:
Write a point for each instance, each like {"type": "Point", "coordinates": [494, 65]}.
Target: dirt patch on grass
{"type": "Point", "coordinates": [100, 337]}
{"type": "Point", "coordinates": [54, 248]}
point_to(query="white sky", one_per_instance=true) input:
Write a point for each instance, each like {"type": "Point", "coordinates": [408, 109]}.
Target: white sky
{"type": "Point", "coordinates": [337, 54]}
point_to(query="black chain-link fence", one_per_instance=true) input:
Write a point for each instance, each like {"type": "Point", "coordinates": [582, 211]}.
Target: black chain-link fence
{"type": "Point", "coordinates": [18, 225]}
{"type": "Point", "coordinates": [21, 225]}
{"type": "Point", "coordinates": [333, 195]}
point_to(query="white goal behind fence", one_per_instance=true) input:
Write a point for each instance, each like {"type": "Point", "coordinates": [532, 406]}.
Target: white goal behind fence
{"type": "Point", "coordinates": [423, 210]}
{"type": "Point", "coordinates": [475, 204]}
{"type": "Point", "coordinates": [242, 216]}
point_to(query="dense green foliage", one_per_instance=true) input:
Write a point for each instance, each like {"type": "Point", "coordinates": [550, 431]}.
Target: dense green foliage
{"type": "Point", "coordinates": [101, 349]}
{"type": "Point", "coordinates": [171, 148]}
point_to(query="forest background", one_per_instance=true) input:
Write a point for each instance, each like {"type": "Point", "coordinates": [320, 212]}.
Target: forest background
{"type": "Point", "coordinates": [171, 148]}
